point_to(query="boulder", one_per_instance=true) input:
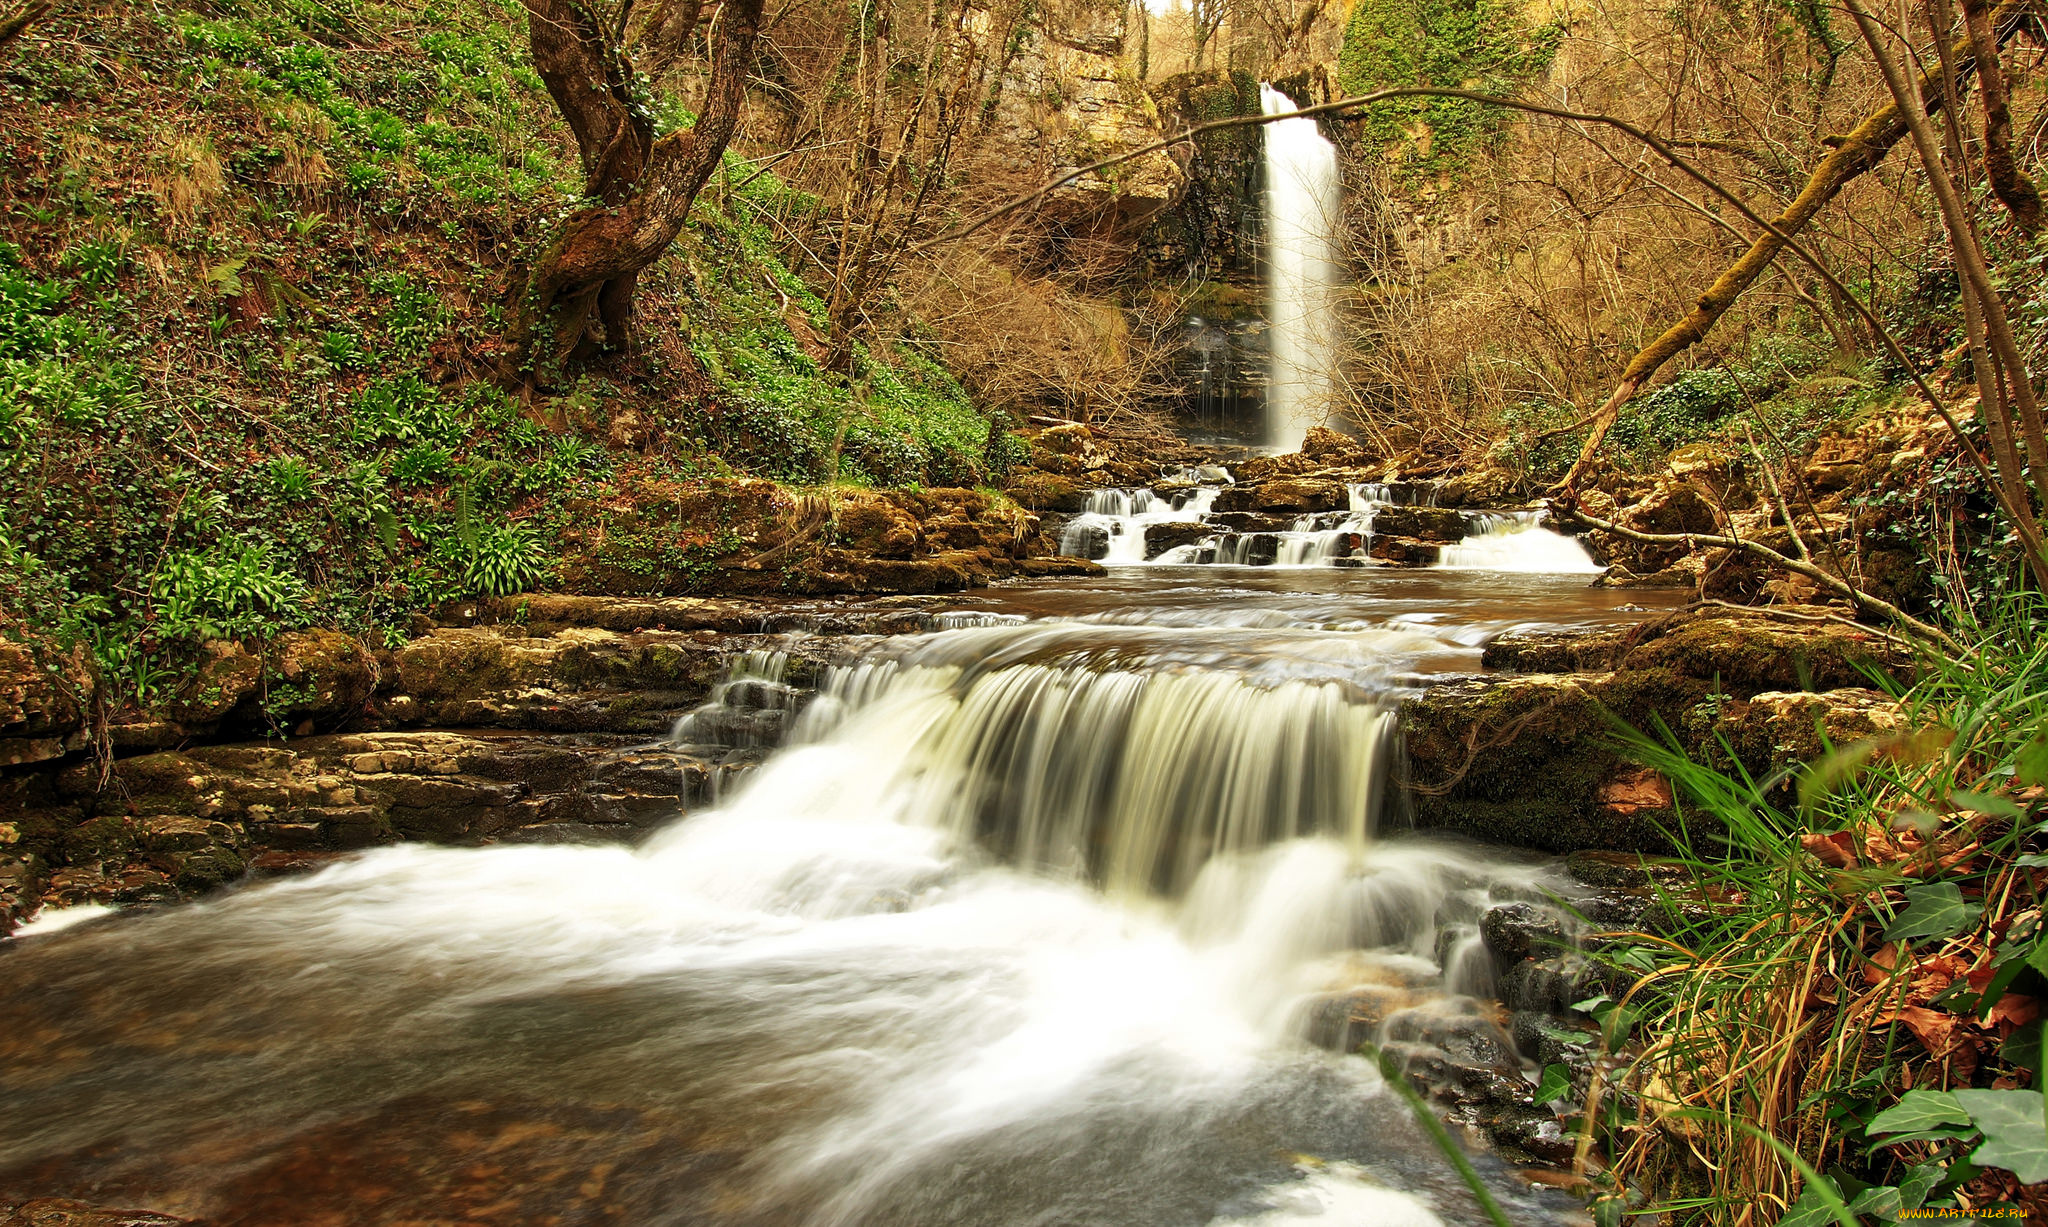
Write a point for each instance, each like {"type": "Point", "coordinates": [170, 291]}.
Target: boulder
{"type": "Point", "coordinates": [1328, 447]}
{"type": "Point", "coordinates": [1160, 538]}
{"type": "Point", "coordinates": [316, 675]}
{"type": "Point", "coordinates": [1487, 487]}
{"type": "Point", "coordinates": [224, 675]}
{"type": "Point", "coordinates": [1753, 650]}
{"type": "Point", "coordinates": [1426, 523]}
{"type": "Point", "coordinates": [1777, 729]}
{"type": "Point", "coordinates": [1544, 650]}
{"type": "Point", "coordinates": [1041, 491]}
{"type": "Point", "coordinates": [1303, 494]}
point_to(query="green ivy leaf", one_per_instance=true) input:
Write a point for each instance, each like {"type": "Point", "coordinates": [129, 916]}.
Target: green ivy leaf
{"type": "Point", "coordinates": [1934, 910]}
{"type": "Point", "coordinates": [1919, 1182]}
{"type": "Point", "coordinates": [2015, 1131]}
{"type": "Point", "coordinates": [1555, 1084]}
{"type": "Point", "coordinates": [1917, 1110]}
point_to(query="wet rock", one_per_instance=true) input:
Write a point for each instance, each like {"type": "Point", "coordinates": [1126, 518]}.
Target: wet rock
{"type": "Point", "coordinates": [1462, 1059]}
{"type": "Point", "coordinates": [46, 697]}
{"type": "Point", "coordinates": [1488, 487]}
{"type": "Point", "coordinates": [1535, 1131]}
{"type": "Point", "coordinates": [1160, 538]}
{"type": "Point", "coordinates": [1570, 1040]}
{"type": "Point", "coordinates": [1436, 524]}
{"type": "Point", "coordinates": [1342, 1022]}
{"type": "Point", "coordinates": [1519, 760]}
{"type": "Point", "coordinates": [1554, 984]}
{"type": "Point", "coordinates": [1404, 551]}
{"type": "Point", "coordinates": [1056, 567]}
{"type": "Point", "coordinates": [1514, 932]}
{"type": "Point", "coordinates": [178, 824]}
{"type": "Point", "coordinates": [1250, 521]}
{"type": "Point", "coordinates": [1089, 541]}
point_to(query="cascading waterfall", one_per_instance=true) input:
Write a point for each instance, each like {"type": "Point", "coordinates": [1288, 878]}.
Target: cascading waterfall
{"type": "Point", "coordinates": [1063, 750]}
{"type": "Point", "coordinates": [1018, 928]}
{"type": "Point", "coordinates": [1302, 211]}
{"type": "Point", "coordinates": [1116, 520]}
{"type": "Point", "coordinates": [1518, 541]}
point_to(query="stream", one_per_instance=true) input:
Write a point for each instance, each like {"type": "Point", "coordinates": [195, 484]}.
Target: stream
{"type": "Point", "coordinates": [1015, 926]}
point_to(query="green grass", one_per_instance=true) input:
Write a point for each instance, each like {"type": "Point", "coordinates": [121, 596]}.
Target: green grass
{"type": "Point", "coordinates": [1758, 1045]}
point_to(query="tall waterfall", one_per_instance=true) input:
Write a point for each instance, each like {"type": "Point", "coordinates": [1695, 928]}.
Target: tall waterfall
{"type": "Point", "coordinates": [1301, 273]}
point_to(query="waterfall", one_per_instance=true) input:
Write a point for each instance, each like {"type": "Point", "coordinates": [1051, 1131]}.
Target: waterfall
{"type": "Point", "coordinates": [1302, 210]}
{"type": "Point", "coordinates": [1518, 541]}
{"type": "Point", "coordinates": [1023, 923]}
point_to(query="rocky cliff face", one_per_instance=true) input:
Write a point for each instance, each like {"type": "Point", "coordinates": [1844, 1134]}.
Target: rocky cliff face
{"type": "Point", "coordinates": [1070, 98]}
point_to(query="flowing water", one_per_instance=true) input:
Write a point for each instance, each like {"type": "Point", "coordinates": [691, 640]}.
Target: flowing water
{"type": "Point", "coordinates": [1016, 926]}
{"type": "Point", "coordinates": [1117, 527]}
{"type": "Point", "coordinates": [1302, 212]}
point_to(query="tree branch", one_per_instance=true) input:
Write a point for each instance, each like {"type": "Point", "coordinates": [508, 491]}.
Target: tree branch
{"type": "Point", "coordinates": [1834, 583]}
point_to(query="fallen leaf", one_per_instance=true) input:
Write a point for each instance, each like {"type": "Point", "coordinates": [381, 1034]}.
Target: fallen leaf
{"type": "Point", "coordinates": [1837, 851]}
{"type": "Point", "coordinates": [1934, 1029]}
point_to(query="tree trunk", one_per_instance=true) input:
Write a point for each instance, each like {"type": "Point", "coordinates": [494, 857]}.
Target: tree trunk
{"type": "Point", "coordinates": [576, 298]}
{"type": "Point", "coordinates": [2011, 184]}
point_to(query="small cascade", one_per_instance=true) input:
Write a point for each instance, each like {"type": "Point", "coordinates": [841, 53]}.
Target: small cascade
{"type": "Point", "coordinates": [1303, 207]}
{"type": "Point", "coordinates": [1518, 541]}
{"type": "Point", "coordinates": [1111, 526]}
{"type": "Point", "coordinates": [1071, 749]}
{"type": "Point", "coordinates": [746, 715]}
{"type": "Point", "coordinates": [1113, 529]}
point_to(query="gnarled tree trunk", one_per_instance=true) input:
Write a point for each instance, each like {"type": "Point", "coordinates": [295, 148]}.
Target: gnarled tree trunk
{"type": "Point", "coordinates": [576, 297]}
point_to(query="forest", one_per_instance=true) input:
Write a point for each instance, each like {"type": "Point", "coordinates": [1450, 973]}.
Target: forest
{"type": "Point", "coordinates": [1045, 471]}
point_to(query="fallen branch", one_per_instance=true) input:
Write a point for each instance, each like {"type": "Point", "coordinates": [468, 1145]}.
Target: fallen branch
{"type": "Point", "coordinates": [1862, 600]}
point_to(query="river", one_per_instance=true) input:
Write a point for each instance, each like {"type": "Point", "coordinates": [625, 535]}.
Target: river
{"type": "Point", "coordinates": [1016, 928]}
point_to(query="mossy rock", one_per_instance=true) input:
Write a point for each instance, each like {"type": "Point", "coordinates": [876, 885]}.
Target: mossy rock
{"type": "Point", "coordinates": [1750, 651]}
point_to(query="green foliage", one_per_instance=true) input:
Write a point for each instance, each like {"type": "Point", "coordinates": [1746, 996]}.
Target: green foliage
{"type": "Point", "coordinates": [1723, 983]}
{"type": "Point", "coordinates": [1480, 45]}
{"type": "Point", "coordinates": [898, 418]}
{"type": "Point", "coordinates": [230, 590]}
{"type": "Point", "coordinates": [226, 409]}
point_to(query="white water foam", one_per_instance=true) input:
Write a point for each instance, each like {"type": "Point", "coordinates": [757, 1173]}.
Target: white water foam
{"type": "Point", "coordinates": [1518, 541]}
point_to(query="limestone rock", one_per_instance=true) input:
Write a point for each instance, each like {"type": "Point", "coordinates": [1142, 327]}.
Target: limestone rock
{"type": "Point", "coordinates": [316, 675]}
{"type": "Point", "coordinates": [1326, 445]}
{"type": "Point", "coordinates": [1068, 100]}
{"type": "Point", "coordinates": [1160, 538]}
{"type": "Point", "coordinates": [46, 697]}
{"type": "Point", "coordinates": [1425, 523]}
{"type": "Point", "coordinates": [1776, 729]}
{"type": "Point", "coordinates": [1752, 650]}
